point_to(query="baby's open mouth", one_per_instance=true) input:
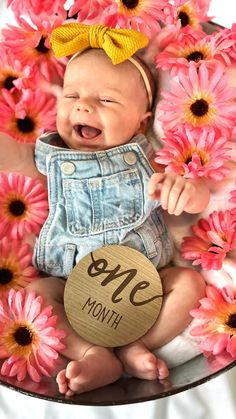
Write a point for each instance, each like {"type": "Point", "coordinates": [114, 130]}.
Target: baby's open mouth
{"type": "Point", "coordinates": [87, 131]}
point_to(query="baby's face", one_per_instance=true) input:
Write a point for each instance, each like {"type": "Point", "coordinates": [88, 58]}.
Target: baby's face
{"type": "Point", "coordinates": [102, 105]}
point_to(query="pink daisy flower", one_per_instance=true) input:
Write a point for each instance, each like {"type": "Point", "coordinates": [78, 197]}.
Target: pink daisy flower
{"type": "Point", "coordinates": [23, 205]}
{"type": "Point", "coordinates": [194, 153]}
{"type": "Point", "coordinates": [213, 238]}
{"type": "Point", "coordinates": [51, 7]}
{"type": "Point", "coordinates": [202, 99]}
{"type": "Point", "coordinates": [194, 47]}
{"type": "Point", "coordinates": [88, 9]}
{"type": "Point", "coordinates": [32, 115]}
{"type": "Point", "coordinates": [233, 196]}
{"type": "Point", "coordinates": [16, 269]}
{"type": "Point", "coordinates": [140, 15]}
{"type": "Point", "coordinates": [13, 73]}
{"type": "Point", "coordinates": [233, 200]}
{"type": "Point", "coordinates": [170, 34]}
{"type": "Point", "coordinates": [33, 46]}
{"type": "Point", "coordinates": [29, 339]}
{"type": "Point", "coordinates": [232, 50]}
{"type": "Point", "coordinates": [190, 12]}
{"type": "Point", "coordinates": [229, 36]}
{"type": "Point", "coordinates": [219, 361]}
{"type": "Point", "coordinates": [182, 16]}
{"type": "Point", "coordinates": [218, 330]}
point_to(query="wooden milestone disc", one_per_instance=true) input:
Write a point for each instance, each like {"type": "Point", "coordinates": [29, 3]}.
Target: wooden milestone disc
{"type": "Point", "coordinates": [113, 296]}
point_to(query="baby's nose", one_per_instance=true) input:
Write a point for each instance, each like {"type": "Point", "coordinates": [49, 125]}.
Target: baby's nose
{"type": "Point", "coordinates": [84, 105]}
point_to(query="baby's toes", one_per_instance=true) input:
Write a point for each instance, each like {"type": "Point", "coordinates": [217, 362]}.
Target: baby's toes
{"type": "Point", "coordinates": [163, 371]}
{"type": "Point", "coordinates": [70, 393]}
{"type": "Point", "coordinates": [62, 382]}
{"type": "Point", "coordinates": [73, 370]}
{"type": "Point", "coordinates": [61, 377]}
{"type": "Point", "coordinates": [75, 386]}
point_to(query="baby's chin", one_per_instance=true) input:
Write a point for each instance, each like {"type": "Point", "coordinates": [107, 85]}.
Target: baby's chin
{"type": "Point", "coordinates": [98, 143]}
{"type": "Point", "coordinates": [81, 144]}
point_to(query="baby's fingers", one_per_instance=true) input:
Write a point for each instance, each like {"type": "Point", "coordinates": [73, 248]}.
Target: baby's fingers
{"type": "Point", "coordinates": [183, 199]}
{"type": "Point", "coordinates": [154, 185]}
{"type": "Point", "coordinates": [171, 189]}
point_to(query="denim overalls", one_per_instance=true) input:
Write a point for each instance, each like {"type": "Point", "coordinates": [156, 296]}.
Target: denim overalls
{"type": "Point", "coordinates": [97, 199]}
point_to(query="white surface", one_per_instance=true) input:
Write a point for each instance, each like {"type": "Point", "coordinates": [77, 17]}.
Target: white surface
{"type": "Point", "coordinates": [224, 12]}
{"type": "Point", "coordinates": [213, 400]}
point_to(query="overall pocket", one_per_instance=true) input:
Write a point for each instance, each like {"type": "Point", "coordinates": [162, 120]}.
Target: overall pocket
{"type": "Point", "coordinates": [100, 204]}
{"type": "Point", "coordinates": [156, 240]}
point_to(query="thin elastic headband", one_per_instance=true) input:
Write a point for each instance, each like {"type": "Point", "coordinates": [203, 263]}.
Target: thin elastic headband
{"type": "Point", "coordinates": [145, 79]}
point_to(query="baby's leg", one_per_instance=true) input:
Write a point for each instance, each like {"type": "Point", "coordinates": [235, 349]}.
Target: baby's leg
{"type": "Point", "coordinates": [182, 289]}
{"type": "Point", "coordinates": [91, 366]}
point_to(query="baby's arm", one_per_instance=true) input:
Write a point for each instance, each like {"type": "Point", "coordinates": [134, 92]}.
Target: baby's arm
{"type": "Point", "coordinates": [177, 194]}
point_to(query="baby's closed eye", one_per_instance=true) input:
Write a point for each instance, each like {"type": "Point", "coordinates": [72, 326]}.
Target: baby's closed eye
{"type": "Point", "coordinates": [71, 96]}
{"type": "Point", "coordinates": [107, 100]}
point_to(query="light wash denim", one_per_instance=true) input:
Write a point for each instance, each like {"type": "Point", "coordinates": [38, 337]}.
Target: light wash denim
{"type": "Point", "coordinates": [97, 199]}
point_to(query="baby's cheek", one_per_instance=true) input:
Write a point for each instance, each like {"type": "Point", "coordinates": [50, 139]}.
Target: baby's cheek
{"type": "Point", "coordinates": [60, 116]}
{"type": "Point", "coordinates": [63, 111]}
{"type": "Point", "coordinates": [61, 123]}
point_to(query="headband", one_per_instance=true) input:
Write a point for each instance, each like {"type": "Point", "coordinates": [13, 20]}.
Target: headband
{"type": "Point", "coordinates": [118, 44]}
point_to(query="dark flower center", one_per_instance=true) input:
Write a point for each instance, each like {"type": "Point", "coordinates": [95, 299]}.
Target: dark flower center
{"type": "Point", "coordinates": [5, 276]}
{"type": "Point", "coordinates": [70, 17]}
{"type": "Point", "coordinates": [203, 159]}
{"type": "Point", "coordinates": [17, 208]}
{"type": "Point", "coordinates": [8, 82]}
{"type": "Point", "coordinates": [188, 160]}
{"type": "Point", "coordinates": [195, 56]}
{"type": "Point", "coordinates": [130, 4]}
{"type": "Point", "coordinates": [25, 125]}
{"type": "Point", "coordinates": [23, 336]}
{"type": "Point", "coordinates": [216, 246]}
{"type": "Point", "coordinates": [200, 107]}
{"type": "Point", "coordinates": [41, 46]}
{"type": "Point", "coordinates": [232, 321]}
{"type": "Point", "coordinates": [184, 18]}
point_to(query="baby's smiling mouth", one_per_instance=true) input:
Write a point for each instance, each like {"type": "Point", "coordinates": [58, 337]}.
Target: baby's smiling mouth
{"type": "Point", "coordinates": [87, 131]}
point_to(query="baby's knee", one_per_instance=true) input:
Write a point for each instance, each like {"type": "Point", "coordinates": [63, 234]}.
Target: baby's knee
{"type": "Point", "coordinates": [192, 284]}
{"type": "Point", "coordinates": [49, 288]}
{"type": "Point", "coordinates": [38, 286]}
{"type": "Point", "coordinates": [187, 283]}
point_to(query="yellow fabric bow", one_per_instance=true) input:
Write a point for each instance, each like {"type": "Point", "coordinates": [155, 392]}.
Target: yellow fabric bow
{"type": "Point", "coordinates": [118, 44]}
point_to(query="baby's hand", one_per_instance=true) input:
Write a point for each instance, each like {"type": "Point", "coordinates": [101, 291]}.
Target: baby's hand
{"type": "Point", "coordinates": [174, 192]}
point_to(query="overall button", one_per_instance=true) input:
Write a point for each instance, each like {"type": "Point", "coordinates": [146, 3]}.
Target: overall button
{"type": "Point", "coordinates": [130, 158]}
{"type": "Point", "coordinates": [67, 168]}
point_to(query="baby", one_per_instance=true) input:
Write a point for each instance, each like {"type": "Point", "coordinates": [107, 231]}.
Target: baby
{"type": "Point", "coordinates": [103, 190]}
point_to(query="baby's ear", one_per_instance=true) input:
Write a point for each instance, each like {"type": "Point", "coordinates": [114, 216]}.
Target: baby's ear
{"type": "Point", "coordinates": [144, 122]}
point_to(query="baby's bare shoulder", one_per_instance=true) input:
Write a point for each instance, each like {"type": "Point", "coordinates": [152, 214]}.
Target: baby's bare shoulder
{"type": "Point", "coordinates": [13, 154]}
{"type": "Point", "coordinates": [17, 157]}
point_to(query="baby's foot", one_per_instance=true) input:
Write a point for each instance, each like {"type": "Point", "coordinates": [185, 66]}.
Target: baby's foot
{"type": "Point", "coordinates": [140, 362]}
{"type": "Point", "coordinates": [97, 368]}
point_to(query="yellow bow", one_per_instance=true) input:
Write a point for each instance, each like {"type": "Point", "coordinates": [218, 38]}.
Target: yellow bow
{"type": "Point", "coordinates": [118, 44]}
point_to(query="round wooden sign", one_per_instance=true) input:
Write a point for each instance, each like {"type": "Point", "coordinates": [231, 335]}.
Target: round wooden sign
{"type": "Point", "coordinates": [113, 296]}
